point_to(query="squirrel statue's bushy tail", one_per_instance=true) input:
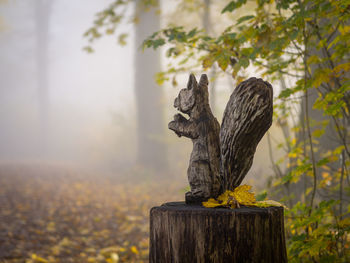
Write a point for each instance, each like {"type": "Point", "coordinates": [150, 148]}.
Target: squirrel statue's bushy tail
{"type": "Point", "coordinates": [248, 115]}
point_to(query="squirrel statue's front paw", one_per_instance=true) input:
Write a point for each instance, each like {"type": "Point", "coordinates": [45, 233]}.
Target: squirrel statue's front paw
{"type": "Point", "coordinates": [191, 199]}
{"type": "Point", "coordinates": [173, 125]}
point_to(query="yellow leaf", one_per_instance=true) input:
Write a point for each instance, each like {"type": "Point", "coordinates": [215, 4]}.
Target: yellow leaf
{"type": "Point", "coordinates": [211, 203]}
{"type": "Point", "coordinates": [223, 198]}
{"type": "Point", "coordinates": [268, 203]}
{"type": "Point", "coordinates": [344, 223]}
{"type": "Point", "coordinates": [243, 195]}
{"type": "Point", "coordinates": [36, 258]}
{"type": "Point", "coordinates": [318, 133]}
{"type": "Point", "coordinates": [239, 79]}
{"type": "Point", "coordinates": [292, 155]}
{"type": "Point", "coordinates": [228, 199]}
{"type": "Point", "coordinates": [134, 250]}
{"type": "Point", "coordinates": [308, 191]}
{"type": "Point", "coordinates": [344, 29]}
{"type": "Point", "coordinates": [294, 141]}
{"type": "Point", "coordinates": [51, 227]}
{"type": "Point", "coordinates": [345, 67]}
{"type": "Point", "coordinates": [207, 62]}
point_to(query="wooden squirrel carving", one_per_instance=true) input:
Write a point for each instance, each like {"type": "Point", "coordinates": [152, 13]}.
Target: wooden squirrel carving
{"type": "Point", "coordinates": [221, 157]}
{"type": "Point", "coordinates": [203, 128]}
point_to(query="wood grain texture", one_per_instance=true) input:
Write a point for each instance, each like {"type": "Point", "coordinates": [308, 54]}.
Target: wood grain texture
{"type": "Point", "coordinates": [203, 129]}
{"type": "Point", "coordinates": [247, 117]}
{"type": "Point", "coordinates": [182, 233]}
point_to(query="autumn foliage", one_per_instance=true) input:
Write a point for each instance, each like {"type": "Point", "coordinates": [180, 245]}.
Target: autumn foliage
{"type": "Point", "coordinates": [54, 215]}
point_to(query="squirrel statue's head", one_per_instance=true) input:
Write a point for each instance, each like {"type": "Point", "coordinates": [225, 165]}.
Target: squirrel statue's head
{"type": "Point", "coordinates": [187, 98]}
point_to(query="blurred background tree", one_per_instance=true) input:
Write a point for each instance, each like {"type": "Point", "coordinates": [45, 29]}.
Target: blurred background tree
{"type": "Point", "coordinates": [42, 23]}
{"type": "Point", "coordinates": [145, 16]}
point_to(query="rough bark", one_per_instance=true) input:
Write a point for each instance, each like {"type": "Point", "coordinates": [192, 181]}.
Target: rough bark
{"type": "Point", "coordinates": [181, 233]}
{"type": "Point", "coordinates": [203, 128]}
{"type": "Point", "coordinates": [248, 115]}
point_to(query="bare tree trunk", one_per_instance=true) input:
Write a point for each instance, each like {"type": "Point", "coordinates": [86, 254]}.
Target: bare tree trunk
{"type": "Point", "coordinates": [208, 27]}
{"type": "Point", "coordinates": [42, 17]}
{"type": "Point", "coordinates": [151, 149]}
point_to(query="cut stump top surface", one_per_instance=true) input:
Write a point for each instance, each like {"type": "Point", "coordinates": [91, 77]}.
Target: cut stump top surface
{"type": "Point", "coordinates": [182, 206]}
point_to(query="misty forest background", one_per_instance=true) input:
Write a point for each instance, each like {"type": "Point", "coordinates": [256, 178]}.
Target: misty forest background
{"type": "Point", "coordinates": [86, 94]}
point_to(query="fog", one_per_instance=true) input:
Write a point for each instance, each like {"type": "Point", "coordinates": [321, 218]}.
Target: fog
{"type": "Point", "coordinates": [89, 121]}
{"type": "Point", "coordinates": [89, 94]}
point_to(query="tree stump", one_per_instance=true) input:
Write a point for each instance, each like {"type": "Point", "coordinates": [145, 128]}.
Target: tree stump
{"type": "Point", "coordinates": [183, 233]}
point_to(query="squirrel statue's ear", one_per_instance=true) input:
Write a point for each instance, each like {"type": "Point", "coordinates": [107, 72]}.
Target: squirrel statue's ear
{"type": "Point", "coordinates": [203, 82]}
{"type": "Point", "coordinates": [192, 82]}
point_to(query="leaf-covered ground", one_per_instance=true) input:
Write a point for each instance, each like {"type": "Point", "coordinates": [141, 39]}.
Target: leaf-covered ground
{"type": "Point", "coordinates": [52, 215]}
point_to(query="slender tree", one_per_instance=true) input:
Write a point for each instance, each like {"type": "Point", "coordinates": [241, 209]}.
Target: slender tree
{"type": "Point", "coordinates": [42, 19]}
{"type": "Point", "coordinates": [207, 26]}
{"type": "Point", "coordinates": [151, 150]}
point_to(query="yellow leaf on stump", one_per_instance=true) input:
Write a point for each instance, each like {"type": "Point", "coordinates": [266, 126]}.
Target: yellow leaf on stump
{"type": "Point", "coordinates": [241, 195]}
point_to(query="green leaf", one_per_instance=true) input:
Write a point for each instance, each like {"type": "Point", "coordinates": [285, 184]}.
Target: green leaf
{"type": "Point", "coordinates": [244, 62]}
{"type": "Point", "coordinates": [192, 33]}
{"type": "Point", "coordinates": [88, 49]}
{"type": "Point", "coordinates": [294, 34]}
{"type": "Point", "coordinates": [318, 133]}
{"type": "Point", "coordinates": [244, 18]}
{"type": "Point", "coordinates": [322, 162]}
{"type": "Point", "coordinates": [160, 78]}
{"type": "Point", "coordinates": [110, 31]}
{"type": "Point", "coordinates": [223, 62]}
{"type": "Point", "coordinates": [262, 196]}
{"type": "Point", "coordinates": [338, 150]}
{"type": "Point", "coordinates": [122, 39]}
{"type": "Point", "coordinates": [233, 5]}
{"type": "Point", "coordinates": [287, 178]}
{"type": "Point", "coordinates": [231, 36]}
{"type": "Point", "coordinates": [153, 43]}
{"type": "Point", "coordinates": [286, 93]}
